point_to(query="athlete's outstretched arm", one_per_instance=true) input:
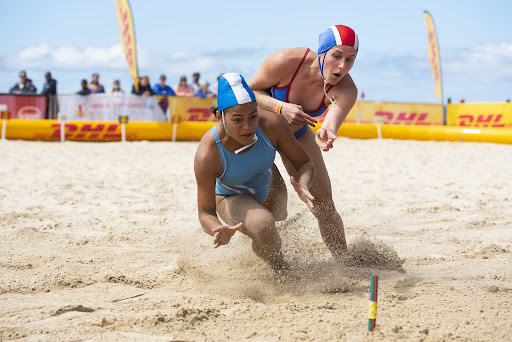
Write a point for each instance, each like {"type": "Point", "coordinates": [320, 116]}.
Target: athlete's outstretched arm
{"type": "Point", "coordinates": [346, 96]}
{"type": "Point", "coordinates": [206, 203]}
{"type": "Point", "coordinates": [295, 153]}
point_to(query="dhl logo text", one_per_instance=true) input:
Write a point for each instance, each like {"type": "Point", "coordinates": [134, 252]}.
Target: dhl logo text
{"type": "Point", "coordinates": [199, 114]}
{"type": "Point", "coordinates": [404, 118]}
{"type": "Point", "coordinates": [482, 120]}
{"type": "Point", "coordinates": [88, 131]}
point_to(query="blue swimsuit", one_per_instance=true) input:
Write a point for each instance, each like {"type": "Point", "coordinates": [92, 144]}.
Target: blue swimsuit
{"type": "Point", "coordinates": [282, 93]}
{"type": "Point", "coordinates": [247, 173]}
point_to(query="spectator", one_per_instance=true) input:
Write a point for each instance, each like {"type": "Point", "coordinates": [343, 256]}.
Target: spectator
{"type": "Point", "coordinates": [144, 87]}
{"type": "Point", "coordinates": [162, 88]}
{"type": "Point", "coordinates": [182, 88]}
{"type": "Point", "coordinates": [462, 101]}
{"type": "Point", "coordinates": [195, 82]}
{"type": "Point", "coordinates": [50, 89]}
{"type": "Point", "coordinates": [508, 100]}
{"type": "Point", "coordinates": [215, 87]}
{"type": "Point", "coordinates": [95, 87]}
{"type": "Point", "coordinates": [449, 101]}
{"type": "Point", "coordinates": [203, 91]}
{"type": "Point", "coordinates": [24, 86]}
{"type": "Point", "coordinates": [85, 88]}
{"type": "Point", "coordinates": [116, 87]}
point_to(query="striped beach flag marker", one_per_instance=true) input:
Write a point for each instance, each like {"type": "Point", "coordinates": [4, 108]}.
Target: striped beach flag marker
{"type": "Point", "coordinates": [123, 120]}
{"type": "Point", "coordinates": [372, 318]}
{"type": "Point", "coordinates": [5, 116]}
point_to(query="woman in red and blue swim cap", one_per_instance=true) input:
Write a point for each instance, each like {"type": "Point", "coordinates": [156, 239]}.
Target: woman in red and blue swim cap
{"type": "Point", "coordinates": [299, 85]}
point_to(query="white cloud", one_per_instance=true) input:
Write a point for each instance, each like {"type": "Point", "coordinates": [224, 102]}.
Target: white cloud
{"type": "Point", "coordinates": [67, 57]}
{"type": "Point", "coordinates": [484, 61]}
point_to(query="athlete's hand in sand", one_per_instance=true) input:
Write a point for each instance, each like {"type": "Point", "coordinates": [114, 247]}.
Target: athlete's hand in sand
{"type": "Point", "coordinates": [223, 234]}
{"type": "Point", "coordinates": [324, 139]}
{"type": "Point", "coordinates": [294, 114]}
{"type": "Point", "coordinates": [304, 194]}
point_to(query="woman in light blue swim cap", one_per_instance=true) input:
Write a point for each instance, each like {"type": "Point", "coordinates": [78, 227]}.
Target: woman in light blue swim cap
{"type": "Point", "coordinates": [233, 167]}
{"type": "Point", "coordinates": [299, 85]}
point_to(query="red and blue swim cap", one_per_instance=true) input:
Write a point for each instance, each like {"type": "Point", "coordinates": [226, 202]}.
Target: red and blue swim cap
{"type": "Point", "coordinates": [334, 36]}
{"type": "Point", "coordinates": [337, 35]}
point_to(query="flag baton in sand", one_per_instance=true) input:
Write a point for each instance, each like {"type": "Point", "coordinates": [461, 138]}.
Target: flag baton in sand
{"type": "Point", "coordinates": [372, 318]}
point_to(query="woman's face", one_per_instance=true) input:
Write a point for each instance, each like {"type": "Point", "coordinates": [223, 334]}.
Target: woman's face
{"type": "Point", "coordinates": [241, 122]}
{"type": "Point", "coordinates": [338, 62]}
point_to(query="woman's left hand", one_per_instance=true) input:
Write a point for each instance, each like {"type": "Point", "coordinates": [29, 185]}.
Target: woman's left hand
{"type": "Point", "coordinates": [304, 194]}
{"type": "Point", "coordinates": [222, 235]}
{"type": "Point", "coordinates": [325, 139]}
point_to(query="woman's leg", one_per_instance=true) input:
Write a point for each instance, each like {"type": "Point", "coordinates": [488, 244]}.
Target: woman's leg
{"type": "Point", "coordinates": [329, 221]}
{"type": "Point", "coordinates": [259, 225]}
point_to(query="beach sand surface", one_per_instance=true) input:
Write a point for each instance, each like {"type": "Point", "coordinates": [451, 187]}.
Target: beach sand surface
{"type": "Point", "coordinates": [101, 242]}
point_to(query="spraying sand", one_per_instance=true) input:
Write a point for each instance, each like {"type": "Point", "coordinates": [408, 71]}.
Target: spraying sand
{"type": "Point", "coordinates": [101, 241]}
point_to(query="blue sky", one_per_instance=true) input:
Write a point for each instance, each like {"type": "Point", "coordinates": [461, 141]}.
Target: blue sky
{"type": "Point", "coordinates": [73, 39]}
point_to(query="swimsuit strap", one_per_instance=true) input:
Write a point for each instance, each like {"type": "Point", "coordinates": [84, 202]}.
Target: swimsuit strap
{"type": "Point", "coordinates": [295, 74]}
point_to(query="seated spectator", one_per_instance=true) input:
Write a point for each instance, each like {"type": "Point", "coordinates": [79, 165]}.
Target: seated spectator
{"type": "Point", "coordinates": [85, 88]}
{"type": "Point", "coordinates": [95, 87]}
{"type": "Point", "coordinates": [182, 88]}
{"type": "Point", "coordinates": [203, 91]}
{"type": "Point", "coordinates": [162, 88]}
{"type": "Point", "coordinates": [116, 87]}
{"type": "Point", "coordinates": [195, 82]}
{"type": "Point", "coordinates": [144, 87]}
{"type": "Point", "coordinates": [24, 86]}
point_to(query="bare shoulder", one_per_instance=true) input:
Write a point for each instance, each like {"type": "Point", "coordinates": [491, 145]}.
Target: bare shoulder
{"type": "Point", "coordinates": [273, 125]}
{"type": "Point", "coordinates": [287, 58]}
{"type": "Point", "coordinates": [207, 154]}
{"type": "Point", "coordinates": [277, 69]}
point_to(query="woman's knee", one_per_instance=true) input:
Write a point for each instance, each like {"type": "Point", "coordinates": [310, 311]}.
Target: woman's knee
{"type": "Point", "coordinates": [262, 228]}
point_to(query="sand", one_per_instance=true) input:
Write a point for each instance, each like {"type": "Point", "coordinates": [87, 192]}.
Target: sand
{"type": "Point", "coordinates": [101, 241]}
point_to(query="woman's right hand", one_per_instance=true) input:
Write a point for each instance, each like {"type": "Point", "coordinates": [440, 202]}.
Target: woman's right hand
{"type": "Point", "coordinates": [294, 115]}
{"type": "Point", "coordinates": [304, 194]}
{"type": "Point", "coordinates": [222, 235]}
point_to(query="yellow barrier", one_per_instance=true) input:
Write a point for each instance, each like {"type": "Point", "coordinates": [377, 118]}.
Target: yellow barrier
{"type": "Point", "coordinates": [49, 130]}
{"type": "Point", "coordinates": [193, 131]}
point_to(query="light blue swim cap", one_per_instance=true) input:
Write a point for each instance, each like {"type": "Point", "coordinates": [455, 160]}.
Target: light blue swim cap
{"type": "Point", "coordinates": [232, 91]}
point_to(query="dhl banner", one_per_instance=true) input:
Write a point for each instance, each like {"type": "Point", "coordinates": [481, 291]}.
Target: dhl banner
{"type": "Point", "coordinates": [396, 113]}
{"type": "Point", "coordinates": [108, 107]}
{"type": "Point", "coordinates": [495, 115]}
{"type": "Point", "coordinates": [197, 109]}
{"type": "Point", "coordinates": [191, 108]}
{"type": "Point", "coordinates": [125, 22]}
{"type": "Point", "coordinates": [433, 54]}
{"type": "Point", "coordinates": [31, 107]}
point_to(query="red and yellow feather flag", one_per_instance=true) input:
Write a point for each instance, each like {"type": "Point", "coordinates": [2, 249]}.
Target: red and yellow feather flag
{"type": "Point", "coordinates": [433, 54]}
{"type": "Point", "coordinates": [125, 22]}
